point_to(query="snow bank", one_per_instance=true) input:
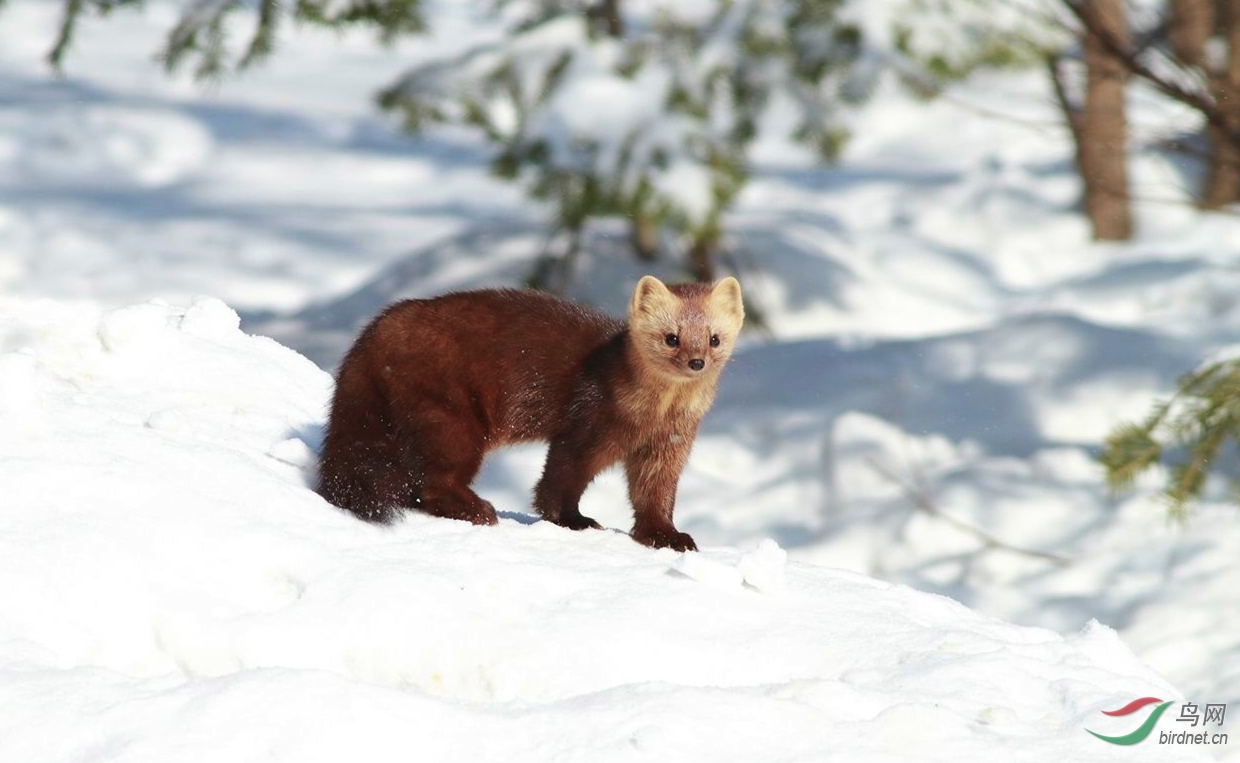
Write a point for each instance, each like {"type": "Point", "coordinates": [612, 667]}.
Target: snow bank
{"type": "Point", "coordinates": [171, 589]}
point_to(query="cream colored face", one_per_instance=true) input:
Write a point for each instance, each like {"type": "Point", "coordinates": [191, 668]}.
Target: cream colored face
{"type": "Point", "coordinates": [688, 334]}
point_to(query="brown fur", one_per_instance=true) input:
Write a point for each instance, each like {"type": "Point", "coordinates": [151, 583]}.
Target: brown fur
{"type": "Point", "coordinates": [431, 385]}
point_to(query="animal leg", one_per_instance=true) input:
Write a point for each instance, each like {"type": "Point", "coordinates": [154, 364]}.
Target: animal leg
{"type": "Point", "coordinates": [569, 470]}
{"type": "Point", "coordinates": [445, 454]}
{"type": "Point", "coordinates": [653, 473]}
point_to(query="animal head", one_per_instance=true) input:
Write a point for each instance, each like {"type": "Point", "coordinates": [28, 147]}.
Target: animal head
{"type": "Point", "coordinates": [685, 332]}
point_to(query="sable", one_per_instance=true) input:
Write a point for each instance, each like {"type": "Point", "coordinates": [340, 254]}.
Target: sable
{"type": "Point", "coordinates": [430, 386]}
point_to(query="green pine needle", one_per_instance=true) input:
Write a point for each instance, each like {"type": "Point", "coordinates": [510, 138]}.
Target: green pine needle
{"type": "Point", "coordinates": [1194, 425]}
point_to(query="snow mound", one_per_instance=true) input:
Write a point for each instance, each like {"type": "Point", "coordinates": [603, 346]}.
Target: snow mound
{"type": "Point", "coordinates": [173, 590]}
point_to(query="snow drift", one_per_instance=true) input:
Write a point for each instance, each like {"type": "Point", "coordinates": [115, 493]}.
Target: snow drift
{"type": "Point", "coordinates": [172, 590]}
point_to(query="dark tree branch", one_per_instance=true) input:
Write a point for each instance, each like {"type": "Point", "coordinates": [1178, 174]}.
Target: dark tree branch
{"type": "Point", "coordinates": [1071, 114]}
{"type": "Point", "coordinates": [923, 503]}
{"type": "Point", "coordinates": [1130, 57]}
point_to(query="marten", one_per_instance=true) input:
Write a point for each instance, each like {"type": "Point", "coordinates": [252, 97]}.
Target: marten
{"type": "Point", "coordinates": [431, 385]}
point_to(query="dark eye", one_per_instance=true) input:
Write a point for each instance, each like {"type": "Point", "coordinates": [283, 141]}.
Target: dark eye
{"type": "Point", "coordinates": [672, 340]}
{"type": "Point", "coordinates": [714, 340]}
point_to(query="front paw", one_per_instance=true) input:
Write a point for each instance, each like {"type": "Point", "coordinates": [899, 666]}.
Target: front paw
{"type": "Point", "coordinates": [668, 537]}
{"type": "Point", "coordinates": [579, 522]}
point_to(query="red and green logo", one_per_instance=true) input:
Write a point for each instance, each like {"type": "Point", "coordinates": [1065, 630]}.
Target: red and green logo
{"type": "Point", "coordinates": [1144, 729]}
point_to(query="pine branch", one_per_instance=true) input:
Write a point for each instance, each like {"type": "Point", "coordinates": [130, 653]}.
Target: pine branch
{"type": "Point", "coordinates": [1129, 451]}
{"type": "Point", "coordinates": [71, 14]}
{"type": "Point", "coordinates": [264, 34]}
{"type": "Point", "coordinates": [1203, 415]}
{"type": "Point", "coordinates": [64, 37]}
{"type": "Point", "coordinates": [392, 18]}
{"type": "Point", "coordinates": [202, 29]}
{"type": "Point", "coordinates": [1188, 479]}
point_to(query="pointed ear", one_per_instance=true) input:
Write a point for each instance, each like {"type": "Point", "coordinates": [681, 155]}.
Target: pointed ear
{"type": "Point", "coordinates": [725, 299]}
{"type": "Point", "coordinates": [651, 296]}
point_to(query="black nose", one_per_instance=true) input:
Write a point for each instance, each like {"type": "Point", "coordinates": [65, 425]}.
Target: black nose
{"type": "Point", "coordinates": [697, 364]}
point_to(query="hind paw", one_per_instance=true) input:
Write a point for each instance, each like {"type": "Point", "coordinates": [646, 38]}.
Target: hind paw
{"type": "Point", "coordinates": [475, 511]}
{"type": "Point", "coordinates": [482, 514]}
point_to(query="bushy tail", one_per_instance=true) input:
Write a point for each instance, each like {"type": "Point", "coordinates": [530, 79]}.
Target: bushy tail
{"type": "Point", "coordinates": [359, 468]}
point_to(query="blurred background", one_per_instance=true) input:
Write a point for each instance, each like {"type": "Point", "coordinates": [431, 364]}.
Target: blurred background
{"type": "Point", "coordinates": [979, 240]}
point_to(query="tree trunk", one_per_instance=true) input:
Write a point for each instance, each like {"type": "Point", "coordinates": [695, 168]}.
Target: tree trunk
{"type": "Point", "coordinates": [701, 258]}
{"type": "Point", "coordinates": [1222, 185]}
{"type": "Point", "coordinates": [644, 234]}
{"type": "Point", "coordinates": [1104, 125]}
{"type": "Point", "coordinates": [1191, 22]}
{"type": "Point", "coordinates": [607, 19]}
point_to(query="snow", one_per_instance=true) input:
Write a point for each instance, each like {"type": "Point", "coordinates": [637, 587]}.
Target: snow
{"type": "Point", "coordinates": [943, 338]}
{"type": "Point", "coordinates": [175, 591]}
